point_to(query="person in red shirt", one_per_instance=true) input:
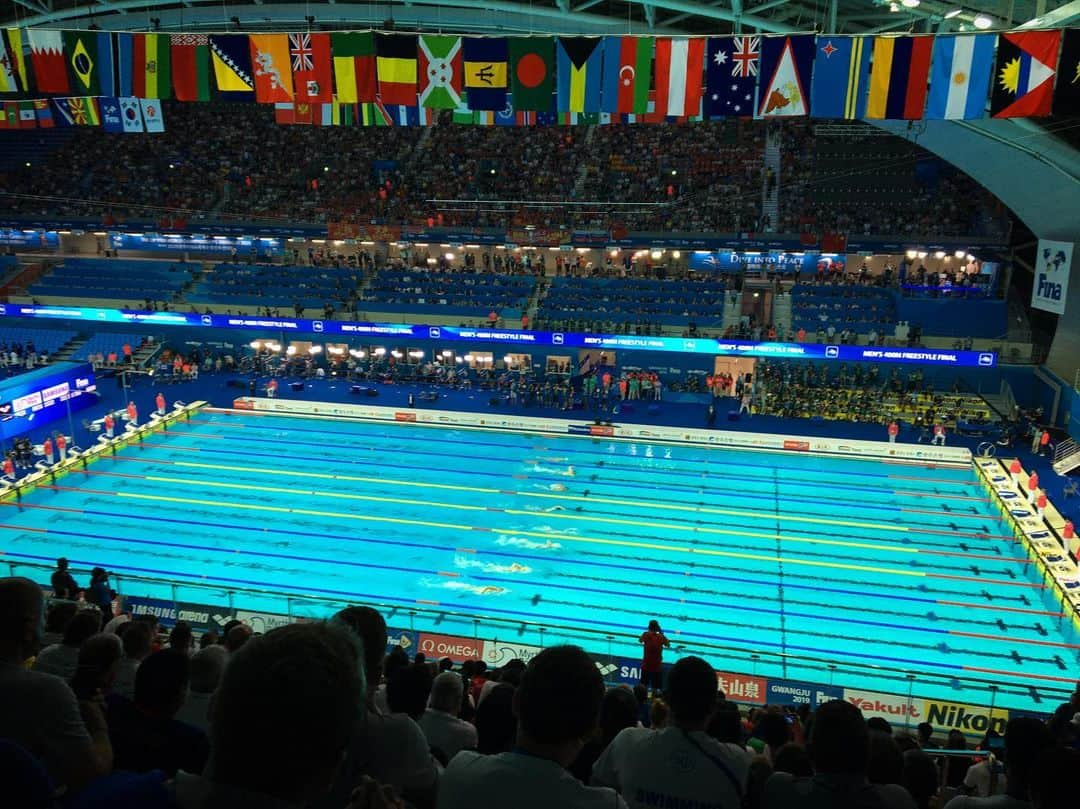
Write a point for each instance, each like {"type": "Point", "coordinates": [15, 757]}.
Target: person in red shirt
{"type": "Point", "coordinates": [9, 469]}
{"type": "Point", "coordinates": [47, 451]}
{"type": "Point", "coordinates": [939, 435]}
{"type": "Point", "coordinates": [271, 388]}
{"type": "Point", "coordinates": [894, 430]}
{"type": "Point", "coordinates": [132, 414]}
{"type": "Point", "coordinates": [1044, 442]}
{"type": "Point", "coordinates": [159, 400]}
{"type": "Point", "coordinates": [110, 425]}
{"type": "Point", "coordinates": [654, 642]}
{"type": "Point", "coordinates": [61, 446]}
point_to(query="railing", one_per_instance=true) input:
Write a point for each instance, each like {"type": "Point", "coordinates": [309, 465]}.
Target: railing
{"type": "Point", "coordinates": [433, 618]}
{"type": "Point", "coordinates": [1066, 456]}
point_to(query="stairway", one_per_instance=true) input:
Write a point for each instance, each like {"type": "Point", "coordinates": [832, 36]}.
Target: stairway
{"type": "Point", "coordinates": [732, 311]}
{"type": "Point", "coordinates": [770, 198]}
{"type": "Point", "coordinates": [68, 349]}
{"type": "Point", "coordinates": [583, 172]}
{"type": "Point", "coordinates": [1066, 456]}
{"type": "Point", "coordinates": [781, 314]}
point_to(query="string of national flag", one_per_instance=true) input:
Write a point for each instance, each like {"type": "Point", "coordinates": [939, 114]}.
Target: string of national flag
{"type": "Point", "coordinates": [387, 79]}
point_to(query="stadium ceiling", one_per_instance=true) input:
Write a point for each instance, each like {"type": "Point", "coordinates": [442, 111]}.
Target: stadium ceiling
{"type": "Point", "coordinates": [545, 16]}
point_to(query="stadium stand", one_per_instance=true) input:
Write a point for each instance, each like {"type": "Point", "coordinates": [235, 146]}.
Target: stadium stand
{"type": "Point", "coordinates": [23, 348]}
{"type": "Point", "coordinates": [113, 279]}
{"type": "Point", "coordinates": [825, 311]}
{"type": "Point", "coordinates": [262, 285]}
{"type": "Point", "coordinates": [447, 292]}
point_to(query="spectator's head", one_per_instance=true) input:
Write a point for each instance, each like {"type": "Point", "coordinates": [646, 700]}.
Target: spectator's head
{"type": "Point", "coordinates": [181, 637]}
{"type": "Point", "coordinates": [370, 628]}
{"type": "Point", "coordinates": [794, 759]}
{"type": "Point", "coordinates": [447, 692]}
{"type": "Point", "coordinates": [237, 637]}
{"type": "Point", "coordinates": [61, 564]}
{"type": "Point", "coordinates": [920, 777]}
{"type": "Point", "coordinates": [408, 690]}
{"type": "Point", "coordinates": [618, 711]}
{"type": "Point", "coordinates": [161, 683]}
{"type": "Point", "coordinates": [59, 615]}
{"type": "Point", "coordinates": [99, 657]}
{"type": "Point", "coordinates": [659, 713]}
{"type": "Point", "coordinates": [81, 627]}
{"type": "Point", "coordinates": [138, 640]}
{"type": "Point", "coordinates": [725, 724]}
{"type": "Point", "coordinates": [654, 625]}
{"type": "Point", "coordinates": [956, 740]}
{"type": "Point", "coordinates": [446, 664]}
{"type": "Point", "coordinates": [886, 765]}
{"type": "Point", "coordinates": [558, 702]}
{"type": "Point", "coordinates": [926, 732]}
{"type": "Point", "coordinates": [227, 628]}
{"type": "Point", "coordinates": [208, 639]}
{"type": "Point", "coordinates": [879, 724]}
{"type": "Point", "coordinates": [21, 605]}
{"type": "Point", "coordinates": [285, 711]}
{"type": "Point", "coordinates": [1053, 780]}
{"type": "Point", "coordinates": [496, 725]}
{"type": "Point", "coordinates": [839, 739]}
{"type": "Point", "coordinates": [691, 692]}
{"type": "Point", "coordinates": [1026, 739]}
{"type": "Point", "coordinates": [773, 729]}
{"type": "Point", "coordinates": [207, 667]}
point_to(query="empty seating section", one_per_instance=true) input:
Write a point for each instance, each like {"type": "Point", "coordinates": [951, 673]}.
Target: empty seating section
{"type": "Point", "coordinates": [105, 343]}
{"type": "Point", "coordinates": [858, 309]}
{"type": "Point", "coordinates": [464, 294]}
{"type": "Point", "coordinates": [113, 279]}
{"type": "Point", "coordinates": [45, 341]}
{"type": "Point", "coordinates": [667, 302]}
{"type": "Point", "coordinates": [267, 285]}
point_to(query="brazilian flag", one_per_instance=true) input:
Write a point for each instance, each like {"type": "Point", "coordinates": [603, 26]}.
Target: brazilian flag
{"type": "Point", "coordinates": [90, 57]}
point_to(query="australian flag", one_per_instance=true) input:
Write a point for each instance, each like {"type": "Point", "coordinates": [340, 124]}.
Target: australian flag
{"type": "Point", "coordinates": [731, 71]}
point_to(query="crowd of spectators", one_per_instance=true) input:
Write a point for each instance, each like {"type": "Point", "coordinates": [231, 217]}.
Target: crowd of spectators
{"type": "Point", "coordinates": [860, 393]}
{"type": "Point", "coordinates": [319, 715]}
{"type": "Point", "coordinates": [859, 181]}
{"type": "Point", "coordinates": [220, 160]}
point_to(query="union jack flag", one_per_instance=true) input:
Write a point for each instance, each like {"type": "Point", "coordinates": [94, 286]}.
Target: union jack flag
{"type": "Point", "coordinates": [301, 52]}
{"type": "Point", "coordinates": [745, 59]}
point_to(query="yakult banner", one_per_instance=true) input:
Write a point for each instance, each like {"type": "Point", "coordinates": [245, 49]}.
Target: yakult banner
{"type": "Point", "coordinates": [900, 711]}
{"type": "Point", "coordinates": [1053, 263]}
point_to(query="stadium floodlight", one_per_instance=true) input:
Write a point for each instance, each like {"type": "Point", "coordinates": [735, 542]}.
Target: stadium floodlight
{"type": "Point", "coordinates": [656, 254]}
{"type": "Point", "coordinates": [447, 352]}
{"type": "Point", "coordinates": [922, 254]}
{"type": "Point", "coordinates": [982, 22]}
{"type": "Point", "coordinates": [449, 256]}
{"type": "Point", "coordinates": [959, 254]}
{"type": "Point", "coordinates": [314, 350]}
{"type": "Point", "coordinates": [397, 355]}
{"type": "Point", "coordinates": [290, 351]}
{"type": "Point", "coordinates": [910, 3]}
{"type": "Point", "coordinates": [911, 254]}
{"type": "Point", "coordinates": [939, 254]}
{"type": "Point", "coordinates": [380, 352]}
{"type": "Point", "coordinates": [676, 254]}
{"type": "Point", "coordinates": [255, 344]}
{"type": "Point", "coordinates": [956, 12]}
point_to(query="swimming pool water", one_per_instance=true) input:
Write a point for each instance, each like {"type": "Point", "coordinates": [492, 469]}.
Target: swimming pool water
{"type": "Point", "coordinates": [775, 564]}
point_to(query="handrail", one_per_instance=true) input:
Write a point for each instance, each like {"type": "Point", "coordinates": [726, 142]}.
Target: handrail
{"type": "Point", "coordinates": [750, 655]}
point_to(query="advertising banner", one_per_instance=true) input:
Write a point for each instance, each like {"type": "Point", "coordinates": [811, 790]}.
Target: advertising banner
{"type": "Point", "coordinates": [1053, 263]}
{"type": "Point", "coordinates": [457, 649]}
{"type": "Point", "coordinates": [786, 692]}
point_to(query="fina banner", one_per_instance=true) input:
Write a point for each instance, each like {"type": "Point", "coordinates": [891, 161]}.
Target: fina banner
{"type": "Point", "coordinates": [1053, 263]}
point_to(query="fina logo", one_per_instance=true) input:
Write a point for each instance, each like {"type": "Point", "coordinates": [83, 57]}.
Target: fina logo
{"type": "Point", "coordinates": [435, 332]}
{"type": "Point", "coordinates": [207, 320]}
{"type": "Point", "coordinates": [832, 351]}
{"type": "Point", "coordinates": [557, 339]}
{"type": "Point", "coordinates": [986, 359]}
{"type": "Point", "coordinates": [1053, 262]}
{"type": "Point", "coordinates": [316, 325]}
{"type": "Point", "coordinates": [3, 309]}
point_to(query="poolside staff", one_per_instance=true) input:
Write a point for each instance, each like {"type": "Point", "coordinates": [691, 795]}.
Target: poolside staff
{"type": "Point", "coordinates": [1015, 469]}
{"type": "Point", "coordinates": [159, 400]}
{"type": "Point", "coordinates": [132, 414]}
{"type": "Point", "coordinates": [110, 425]}
{"type": "Point", "coordinates": [271, 388]}
{"type": "Point", "coordinates": [9, 468]}
{"type": "Point", "coordinates": [61, 446]}
{"type": "Point", "coordinates": [1040, 504]}
{"type": "Point", "coordinates": [1069, 532]}
{"type": "Point", "coordinates": [47, 450]}
{"type": "Point", "coordinates": [894, 430]}
{"type": "Point", "coordinates": [939, 435]}
{"type": "Point", "coordinates": [1033, 486]}
{"type": "Point", "coordinates": [1044, 442]}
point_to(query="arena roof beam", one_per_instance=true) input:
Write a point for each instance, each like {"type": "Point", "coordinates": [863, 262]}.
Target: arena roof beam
{"type": "Point", "coordinates": [464, 15]}
{"type": "Point", "coordinates": [716, 13]}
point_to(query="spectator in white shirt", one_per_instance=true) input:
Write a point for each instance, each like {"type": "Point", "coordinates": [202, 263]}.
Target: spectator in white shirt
{"type": "Point", "coordinates": [680, 765]}
{"type": "Point", "coordinates": [138, 641]}
{"type": "Point", "coordinates": [61, 659]}
{"type": "Point", "coordinates": [557, 705]}
{"type": "Point", "coordinates": [445, 733]}
{"type": "Point", "coordinates": [1026, 741]}
{"type": "Point", "coordinates": [207, 668]}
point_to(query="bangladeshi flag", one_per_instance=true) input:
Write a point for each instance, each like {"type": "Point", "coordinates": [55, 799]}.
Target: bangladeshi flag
{"type": "Point", "coordinates": [190, 66]}
{"type": "Point", "coordinates": [532, 72]}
